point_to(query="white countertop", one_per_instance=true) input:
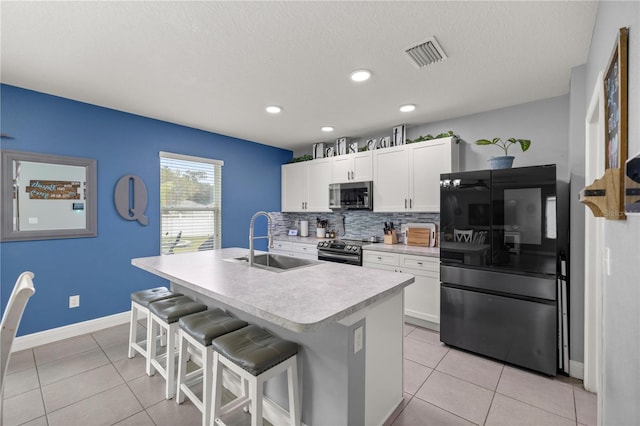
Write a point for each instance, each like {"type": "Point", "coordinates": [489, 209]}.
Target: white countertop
{"type": "Point", "coordinates": [404, 249]}
{"type": "Point", "coordinates": [300, 300]}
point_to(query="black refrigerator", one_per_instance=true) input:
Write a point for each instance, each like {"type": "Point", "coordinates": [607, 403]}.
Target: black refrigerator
{"type": "Point", "coordinates": [503, 251]}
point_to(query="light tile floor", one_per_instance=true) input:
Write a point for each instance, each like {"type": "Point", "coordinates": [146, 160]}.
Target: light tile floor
{"type": "Point", "coordinates": [446, 386]}
{"type": "Point", "coordinates": [88, 380]}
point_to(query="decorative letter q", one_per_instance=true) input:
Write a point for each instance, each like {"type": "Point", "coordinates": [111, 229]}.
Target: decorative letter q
{"type": "Point", "coordinates": [130, 198]}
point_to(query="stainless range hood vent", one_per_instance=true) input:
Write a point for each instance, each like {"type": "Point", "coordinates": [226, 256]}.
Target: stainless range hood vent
{"type": "Point", "coordinates": [426, 53]}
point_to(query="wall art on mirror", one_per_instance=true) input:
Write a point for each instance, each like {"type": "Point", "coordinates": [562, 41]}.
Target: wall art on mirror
{"type": "Point", "coordinates": [615, 107]}
{"type": "Point", "coordinates": [47, 196]}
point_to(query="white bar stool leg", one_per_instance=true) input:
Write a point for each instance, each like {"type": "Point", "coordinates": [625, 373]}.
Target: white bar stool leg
{"type": "Point", "coordinates": [151, 345]}
{"type": "Point", "coordinates": [133, 330]}
{"type": "Point", "coordinates": [294, 397]}
{"type": "Point", "coordinates": [255, 396]}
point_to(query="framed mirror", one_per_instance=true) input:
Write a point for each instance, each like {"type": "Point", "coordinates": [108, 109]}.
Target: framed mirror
{"type": "Point", "coordinates": [45, 196]}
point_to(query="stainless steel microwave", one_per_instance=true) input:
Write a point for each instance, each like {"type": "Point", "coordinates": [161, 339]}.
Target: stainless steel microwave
{"type": "Point", "coordinates": [351, 196]}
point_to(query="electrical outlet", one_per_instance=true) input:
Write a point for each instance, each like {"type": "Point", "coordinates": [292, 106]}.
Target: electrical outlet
{"type": "Point", "coordinates": [74, 301]}
{"type": "Point", "coordinates": [357, 340]}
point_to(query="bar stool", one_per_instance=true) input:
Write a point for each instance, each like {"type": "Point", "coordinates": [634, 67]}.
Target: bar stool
{"type": "Point", "coordinates": [256, 356]}
{"type": "Point", "coordinates": [196, 332]}
{"type": "Point", "coordinates": [165, 314]}
{"type": "Point", "coordinates": [140, 301]}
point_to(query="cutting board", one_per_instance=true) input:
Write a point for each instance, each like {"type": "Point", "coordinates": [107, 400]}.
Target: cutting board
{"type": "Point", "coordinates": [429, 225]}
{"type": "Point", "coordinates": [419, 237]}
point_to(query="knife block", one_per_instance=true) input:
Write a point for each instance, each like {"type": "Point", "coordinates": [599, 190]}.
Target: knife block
{"type": "Point", "coordinates": [391, 238]}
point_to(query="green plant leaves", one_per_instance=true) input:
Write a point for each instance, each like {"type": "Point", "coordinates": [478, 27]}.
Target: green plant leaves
{"type": "Point", "coordinates": [504, 145]}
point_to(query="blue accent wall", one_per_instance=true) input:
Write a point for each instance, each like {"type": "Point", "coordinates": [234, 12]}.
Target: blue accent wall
{"type": "Point", "coordinates": [99, 269]}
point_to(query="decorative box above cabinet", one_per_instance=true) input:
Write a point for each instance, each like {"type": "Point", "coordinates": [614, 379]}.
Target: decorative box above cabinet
{"type": "Point", "coordinates": [407, 178]}
{"type": "Point", "coordinates": [305, 186]}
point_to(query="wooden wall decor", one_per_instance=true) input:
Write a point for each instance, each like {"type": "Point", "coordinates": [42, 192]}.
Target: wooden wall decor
{"type": "Point", "coordinates": [53, 190]}
{"type": "Point", "coordinates": [605, 196]}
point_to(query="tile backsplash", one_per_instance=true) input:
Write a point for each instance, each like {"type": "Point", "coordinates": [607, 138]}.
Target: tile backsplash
{"type": "Point", "coordinates": [357, 223]}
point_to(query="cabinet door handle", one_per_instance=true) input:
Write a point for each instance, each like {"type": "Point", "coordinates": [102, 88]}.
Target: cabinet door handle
{"type": "Point", "coordinates": [419, 263]}
{"type": "Point", "coordinates": [379, 258]}
{"type": "Point", "coordinates": [410, 203]}
{"type": "Point", "coordinates": [405, 203]}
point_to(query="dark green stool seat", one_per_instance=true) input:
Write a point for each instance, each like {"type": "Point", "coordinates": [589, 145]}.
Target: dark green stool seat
{"type": "Point", "coordinates": [145, 297]}
{"type": "Point", "coordinates": [165, 315]}
{"type": "Point", "coordinates": [256, 356]}
{"type": "Point", "coordinates": [206, 326]}
{"type": "Point", "coordinates": [195, 333]}
{"type": "Point", "coordinates": [172, 309]}
{"type": "Point", "coordinates": [254, 348]}
{"type": "Point", "coordinates": [140, 301]}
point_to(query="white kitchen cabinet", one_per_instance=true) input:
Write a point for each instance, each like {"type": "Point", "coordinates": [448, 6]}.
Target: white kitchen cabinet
{"type": "Point", "coordinates": [318, 185]}
{"type": "Point", "coordinates": [289, 248]}
{"type": "Point", "coordinates": [356, 167]}
{"type": "Point", "coordinates": [305, 186]}
{"type": "Point", "coordinates": [390, 179]}
{"type": "Point", "coordinates": [422, 298]}
{"type": "Point", "coordinates": [406, 178]}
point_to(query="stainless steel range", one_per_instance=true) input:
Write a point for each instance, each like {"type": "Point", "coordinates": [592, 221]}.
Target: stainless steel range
{"type": "Point", "coordinates": [341, 251]}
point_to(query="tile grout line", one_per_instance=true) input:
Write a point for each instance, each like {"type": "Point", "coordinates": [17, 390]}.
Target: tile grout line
{"type": "Point", "coordinates": [486, 417]}
{"type": "Point", "coordinates": [125, 382]}
{"type": "Point", "coordinates": [44, 407]}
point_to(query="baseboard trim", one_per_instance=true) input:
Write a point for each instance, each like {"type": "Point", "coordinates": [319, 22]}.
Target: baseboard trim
{"type": "Point", "coordinates": [29, 341]}
{"type": "Point", "coordinates": [576, 369]}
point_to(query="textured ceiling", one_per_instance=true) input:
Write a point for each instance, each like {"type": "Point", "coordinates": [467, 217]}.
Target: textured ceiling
{"type": "Point", "coordinates": [216, 65]}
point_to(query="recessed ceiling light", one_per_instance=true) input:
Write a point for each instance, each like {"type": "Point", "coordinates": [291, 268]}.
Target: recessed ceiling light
{"type": "Point", "coordinates": [273, 109]}
{"type": "Point", "coordinates": [407, 108]}
{"type": "Point", "coordinates": [360, 75]}
{"type": "Point", "coordinates": [327, 129]}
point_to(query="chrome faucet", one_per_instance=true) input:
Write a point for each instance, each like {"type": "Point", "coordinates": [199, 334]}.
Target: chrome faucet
{"type": "Point", "coordinates": [251, 237]}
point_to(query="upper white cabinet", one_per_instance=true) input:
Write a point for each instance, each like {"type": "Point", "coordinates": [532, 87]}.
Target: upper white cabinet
{"type": "Point", "coordinates": [305, 186]}
{"type": "Point", "coordinates": [356, 167]}
{"type": "Point", "coordinates": [407, 178]}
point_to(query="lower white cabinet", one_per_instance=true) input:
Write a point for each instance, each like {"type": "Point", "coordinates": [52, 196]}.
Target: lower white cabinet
{"type": "Point", "coordinates": [289, 248]}
{"type": "Point", "coordinates": [422, 298]}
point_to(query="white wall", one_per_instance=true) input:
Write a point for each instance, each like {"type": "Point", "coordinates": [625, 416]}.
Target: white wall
{"type": "Point", "coordinates": [621, 293]}
{"type": "Point", "coordinates": [544, 122]}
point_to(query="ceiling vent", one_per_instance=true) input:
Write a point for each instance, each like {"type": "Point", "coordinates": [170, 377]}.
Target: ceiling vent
{"type": "Point", "coordinates": [426, 53]}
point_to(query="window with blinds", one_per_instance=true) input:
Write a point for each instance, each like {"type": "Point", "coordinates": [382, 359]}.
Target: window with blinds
{"type": "Point", "coordinates": [190, 203]}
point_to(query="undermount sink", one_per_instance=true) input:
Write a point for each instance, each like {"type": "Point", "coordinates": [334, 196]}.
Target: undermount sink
{"type": "Point", "coordinates": [274, 262]}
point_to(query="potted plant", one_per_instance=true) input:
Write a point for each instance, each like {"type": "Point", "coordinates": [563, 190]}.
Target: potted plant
{"type": "Point", "coordinates": [505, 161]}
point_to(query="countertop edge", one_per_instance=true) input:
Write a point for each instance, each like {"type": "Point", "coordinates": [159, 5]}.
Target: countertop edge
{"type": "Point", "coordinates": [268, 316]}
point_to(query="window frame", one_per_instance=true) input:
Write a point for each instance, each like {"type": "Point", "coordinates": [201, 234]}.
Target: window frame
{"type": "Point", "coordinates": [216, 209]}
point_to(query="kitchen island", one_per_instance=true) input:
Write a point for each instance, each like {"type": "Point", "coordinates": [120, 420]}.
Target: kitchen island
{"type": "Point", "coordinates": [347, 320]}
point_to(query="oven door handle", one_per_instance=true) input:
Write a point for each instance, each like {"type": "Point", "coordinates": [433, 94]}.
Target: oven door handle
{"type": "Point", "coordinates": [329, 255]}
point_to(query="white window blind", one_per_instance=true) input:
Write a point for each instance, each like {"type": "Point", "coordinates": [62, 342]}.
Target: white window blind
{"type": "Point", "coordinates": [190, 203]}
